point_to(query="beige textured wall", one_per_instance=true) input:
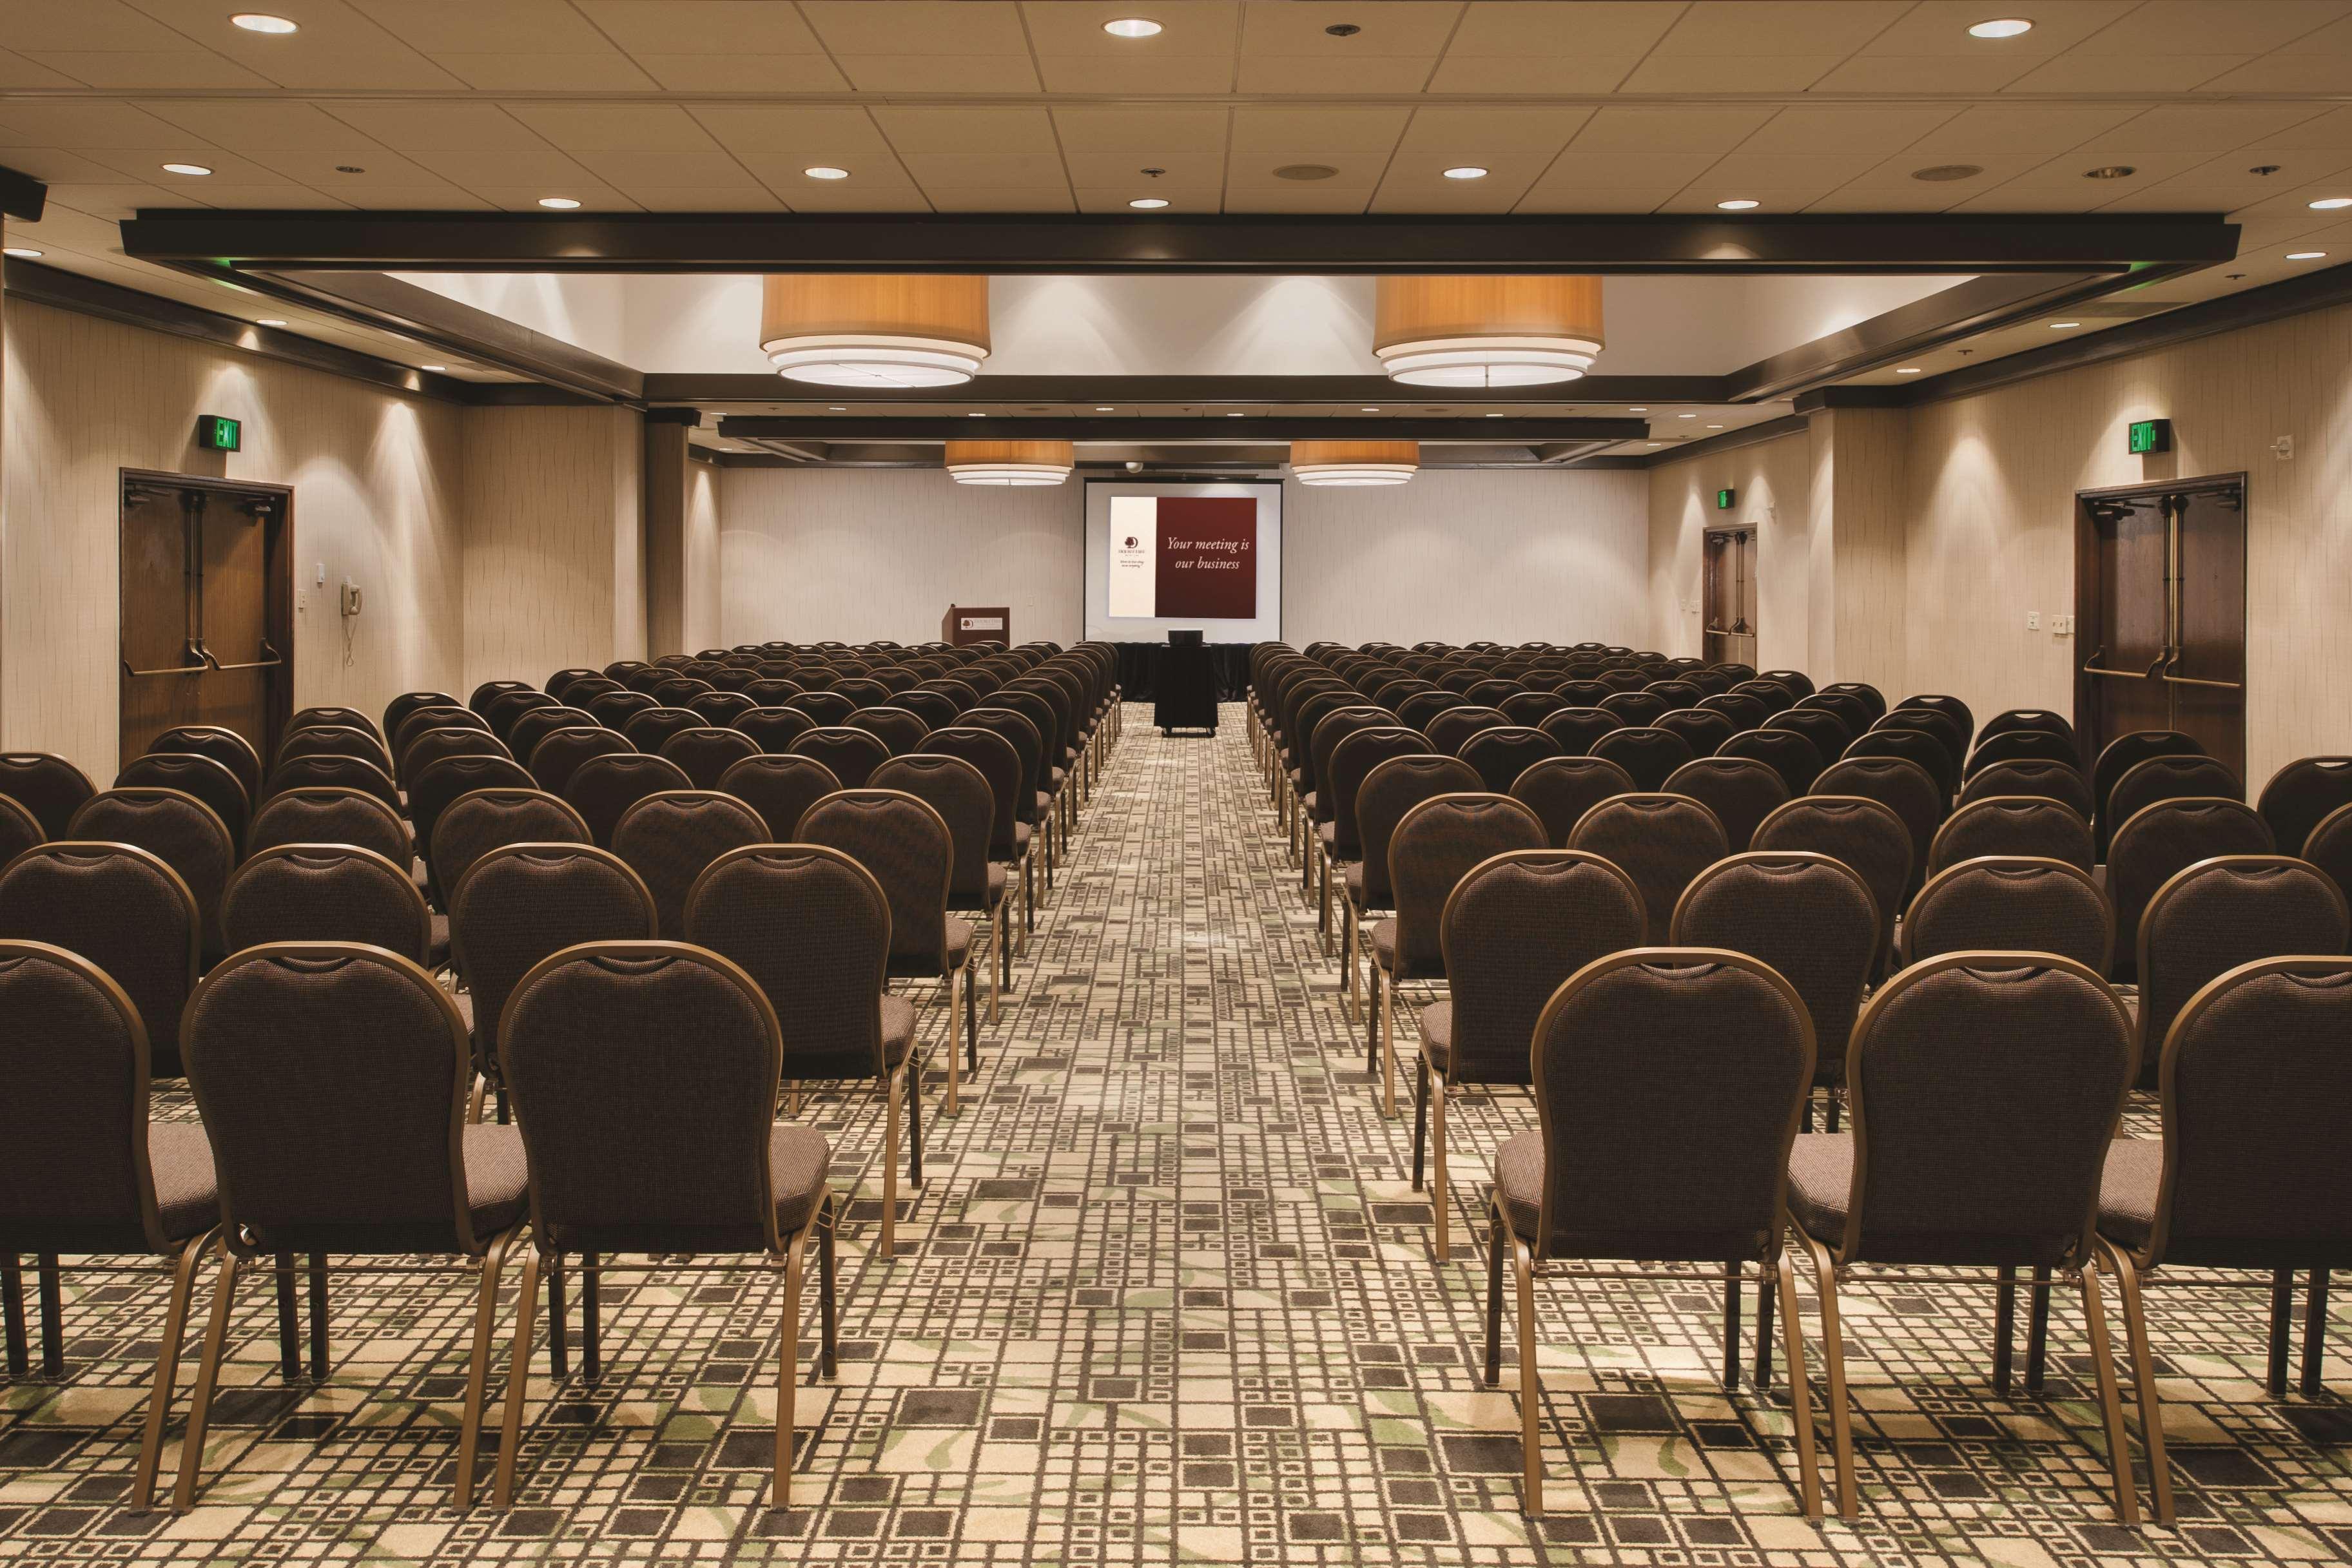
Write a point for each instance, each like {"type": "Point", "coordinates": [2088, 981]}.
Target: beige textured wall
{"type": "Point", "coordinates": [704, 623]}
{"type": "Point", "coordinates": [376, 476]}
{"type": "Point", "coordinates": [1773, 482]}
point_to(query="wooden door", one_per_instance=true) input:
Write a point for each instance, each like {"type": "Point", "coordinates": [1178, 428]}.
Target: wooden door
{"type": "Point", "coordinates": [2160, 603]}
{"type": "Point", "coordinates": [207, 607]}
{"type": "Point", "coordinates": [1731, 597]}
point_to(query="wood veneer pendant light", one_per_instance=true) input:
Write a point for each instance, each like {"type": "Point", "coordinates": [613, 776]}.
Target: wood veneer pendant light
{"type": "Point", "coordinates": [1010, 462]}
{"type": "Point", "coordinates": [1354, 462]}
{"type": "Point", "coordinates": [1487, 331]}
{"type": "Point", "coordinates": [874, 329]}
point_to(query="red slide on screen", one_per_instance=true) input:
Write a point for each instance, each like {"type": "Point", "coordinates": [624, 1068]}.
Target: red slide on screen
{"type": "Point", "coordinates": [1208, 558]}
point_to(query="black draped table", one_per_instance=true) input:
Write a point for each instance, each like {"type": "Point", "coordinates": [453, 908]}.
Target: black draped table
{"type": "Point", "coordinates": [1139, 663]}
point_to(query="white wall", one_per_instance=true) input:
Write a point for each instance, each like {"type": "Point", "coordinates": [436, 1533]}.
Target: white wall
{"type": "Point", "coordinates": [1770, 482]}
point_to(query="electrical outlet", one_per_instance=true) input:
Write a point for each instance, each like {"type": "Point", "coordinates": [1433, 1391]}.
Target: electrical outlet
{"type": "Point", "coordinates": [2033, 620]}
{"type": "Point", "coordinates": [301, 600]}
{"type": "Point", "coordinates": [2062, 625]}
{"type": "Point", "coordinates": [2285, 447]}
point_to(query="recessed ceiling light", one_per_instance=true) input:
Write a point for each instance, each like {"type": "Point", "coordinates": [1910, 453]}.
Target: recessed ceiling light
{"type": "Point", "coordinates": [2001, 27]}
{"type": "Point", "coordinates": [1233, 416]}
{"type": "Point", "coordinates": [1373, 410]}
{"type": "Point", "coordinates": [1739, 204]}
{"type": "Point", "coordinates": [976, 414]}
{"type": "Point", "coordinates": [1148, 203]}
{"type": "Point", "coordinates": [2110, 172]}
{"type": "Point", "coordinates": [185, 169]}
{"type": "Point", "coordinates": [826, 171]}
{"type": "Point", "coordinates": [2304, 255]}
{"type": "Point", "coordinates": [1642, 408]}
{"type": "Point", "coordinates": [1132, 27]}
{"type": "Point", "coordinates": [2061, 326]}
{"type": "Point", "coordinates": [1685, 416]}
{"type": "Point", "coordinates": [1467, 172]}
{"type": "Point", "coordinates": [23, 252]}
{"type": "Point", "coordinates": [1102, 408]}
{"type": "Point", "coordinates": [561, 204]}
{"type": "Point", "coordinates": [2329, 204]}
{"type": "Point", "coordinates": [1907, 370]}
{"type": "Point", "coordinates": [432, 367]}
{"type": "Point", "coordinates": [261, 22]}
{"type": "Point", "coordinates": [1657, 443]}
{"type": "Point", "coordinates": [1493, 416]}
{"type": "Point", "coordinates": [270, 321]}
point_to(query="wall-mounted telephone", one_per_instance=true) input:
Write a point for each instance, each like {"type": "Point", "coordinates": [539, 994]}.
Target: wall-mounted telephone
{"type": "Point", "coordinates": [351, 597]}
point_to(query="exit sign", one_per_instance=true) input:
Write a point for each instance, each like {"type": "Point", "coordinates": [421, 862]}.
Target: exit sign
{"type": "Point", "coordinates": [1723, 499]}
{"type": "Point", "coordinates": [217, 433]}
{"type": "Point", "coordinates": [2151, 435]}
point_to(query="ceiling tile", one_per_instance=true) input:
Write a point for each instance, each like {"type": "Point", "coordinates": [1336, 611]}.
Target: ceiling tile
{"type": "Point", "coordinates": [1505, 29]}
{"type": "Point", "coordinates": [101, 199]}
{"type": "Point", "coordinates": [433, 196]}
{"type": "Point", "coordinates": [552, 172]}
{"type": "Point", "coordinates": [133, 70]}
{"type": "Point", "coordinates": [892, 192]}
{"type": "Point", "coordinates": [1756, 28]}
{"type": "Point", "coordinates": [1793, 193]}
{"type": "Point", "coordinates": [2083, 73]}
{"type": "Point", "coordinates": [1532, 74]}
{"type": "Point", "coordinates": [812, 134]}
{"type": "Point", "coordinates": [592, 197]}
{"type": "Point", "coordinates": [1867, 131]}
{"type": "Point", "coordinates": [55, 166]}
{"type": "Point", "coordinates": [471, 27]}
{"type": "Point", "coordinates": [1016, 199]}
{"type": "Point", "coordinates": [1730, 73]}
{"type": "Point", "coordinates": [743, 73]}
{"type": "Point", "coordinates": [615, 127]}
{"type": "Point", "coordinates": [1941, 27]}
{"type": "Point", "coordinates": [1113, 198]}
{"type": "Point", "coordinates": [2211, 26]}
{"type": "Point", "coordinates": [2203, 127]}
{"type": "Point", "coordinates": [2289, 72]}
{"type": "Point", "coordinates": [1909, 197]}
{"type": "Point", "coordinates": [1092, 74]}
{"type": "Point", "coordinates": [1416, 182]}
{"type": "Point", "coordinates": [1896, 172]}
{"type": "Point", "coordinates": [1192, 29]}
{"type": "Point", "coordinates": [324, 170]}
{"type": "Point", "coordinates": [1307, 73]}
{"type": "Point", "coordinates": [2227, 185]}
{"type": "Point", "coordinates": [2039, 130]}
{"type": "Point", "coordinates": [147, 164]}
{"type": "Point", "coordinates": [257, 125]}
{"type": "Point", "coordinates": [1311, 132]}
{"type": "Point", "coordinates": [1189, 172]}
{"type": "Point", "coordinates": [937, 170]}
{"type": "Point", "coordinates": [1296, 27]}
{"type": "Point", "coordinates": [439, 127]}
{"type": "Point", "coordinates": [1648, 129]}
{"type": "Point", "coordinates": [1291, 196]}
{"type": "Point", "coordinates": [664, 197]}
{"type": "Point", "coordinates": [605, 72]}
{"type": "Point", "coordinates": [1662, 173]}
{"type": "Point", "coordinates": [255, 193]}
{"type": "Point", "coordinates": [1020, 128]}
{"type": "Point", "coordinates": [1549, 198]}
{"type": "Point", "coordinates": [940, 73]}
{"type": "Point", "coordinates": [90, 25]}
{"type": "Point", "coordinates": [338, 47]}
{"type": "Point", "coordinates": [1142, 130]}
{"type": "Point", "coordinates": [952, 27]}
{"type": "Point", "coordinates": [18, 73]}
{"type": "Point", "coordinates": [702, 27]}
{"type": "Point", "coordinates": [1443, 131]}
{"type": "Point", "coordinates": [713, 170]}
{"type": "Point", "coordinates": [2331, 130]}
{"type": "Point", "coordinates": [2147, 165]}
{"type": "Point", "coordinates": [1923, 74]}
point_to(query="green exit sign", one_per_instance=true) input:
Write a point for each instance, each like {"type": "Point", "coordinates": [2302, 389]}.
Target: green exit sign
{"type": "Point", "coordinates": [216, 433]}
{"type": "Point", "coordinates": [2151, 435]}
{"type": "Point", "coordinates": [1723, 499]}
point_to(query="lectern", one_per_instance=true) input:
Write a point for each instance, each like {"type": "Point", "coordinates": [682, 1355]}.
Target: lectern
{"type": "Point", "coordinates": [1188, 687]}
{"type": "Point", "coordinates": [964, 624]}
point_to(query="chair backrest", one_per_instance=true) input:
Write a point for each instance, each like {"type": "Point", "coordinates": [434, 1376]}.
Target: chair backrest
{"type": "Point", "coordinates": [811, 927]}
{"type": "Point", "coordinates": [1702, 729]}
{"type": "Point", "coordinates": [647, 730]}
{"type": "Point", "coordinates": [335, 740]}
{"type": "Point", "coordinates": [74, 1169]}
{"type": "Point", "coordinates": [1951, 706]}
{"type": "Point", "coordinates": [481, 821]}
{"type": "Point", "coordinates": [1810, 918]}
{"type": "Point", "coordinates": [1352, 759]}
{"type": "Point", "coordinates": [1561, 789]}
{"type": "Point", "coordinates": [851, 752]}
{"type": "Point", "coordinates": [772, 690]}
{"type": "Point", "coordinates": [332, 1078]}
{"type": "Point", "coordinates": [824, 706]}
{"type": "Point", "coordinates": [2021, 904]}
{"type": "Point", "coordinates": [397, 710]}
{"type": "Point", "coordinates": [1393, 789]}
{"type": "Point", "coordinates": [2050, 778]}
{"type": "Point", "coordinates": [1914, 745]}
{"type": "Point", "coordinates": [2170, 779]}
{"type": "Point", "coordinates": [722, 707]}
{"type": "Point", "coordinates": [1449, 730]}
{"type": "Point", "coordinates": [199, 778]}
{"type": "Point", "coordinates": [337, 717]}
{"type": "Point", "coordinates": [1576, 728]}
{"type": "Point", "coordinates": [1986, 1087]}
{"type": "Point", "coordinates": [614, 708]}
{"type": "Point", "coordinates": [899, 729]}
{"type": "Point", "coordinates": [560, 684]}
{"type": "Point", "coordinates": [676, 691]}
{"type": "Point", "coordinates": [47, 785]}
{"type": "Point", "coordinates": [223, 745]}
{"type": "Point", "coordinates": [645, 1077]}
{"type": "Point", "coordinates": [704, 754]}
{"type": "Point", "coordinates": [124, 909]}
{"type": "Point", "coordinates": [1874, 704]}
{"type": "Point", "coordinates": [2026, 746]}
{"type": "Point", "coordinates": [2026, 721]}
{"type": "Point", "coordinates": [431, 792]}
{"type": "Point", "coordinates": [2030, 825]}
{"type": "Point", "coordinates": [1905, 787]}
{"type": "Point", "coordinates": [1025, 738]}
{"type": "Point", "coordinates": [325, 892]}
{"type": "Point", "coordinates": [1636, 708]}
{"type": "Point", "coordinates": [505, 707]}
{"type": "Point", "coordinates": [910, 850]}
{"type": "Point", "coordinates": [2329, 847]}
{"type": "Point", "coordinates": [1416, 711]}
{"type": "Point", "coordinates": [1435, 845]}
{"type": "Point", "coordinates": [1744, 709]}
{"type": "Point", "coordinates": [1790, 755]}
{"type": "Point", "coordinates": [427, 716]}
{"type": "Point", "coordinates": [2302, 795]}
{"type": "Point", "coordinates": [1740, 790]}
{"type": "Point", "coordinates": [1939, 725]}
{"type": "Point", "coordinates": [861, 691]}
{"type": "Point", "coordinates": [427, 748]}
{"type": "Point", "coordinates": [2123, 753]}
{"type": "Point", "coordinates": [2162, 839]}
{"type": "Point", "coordinates": [1531, 708]}
{"type": "Point", "coordinates": [1334, 727]}
{"type": "Point", "coordinates": [1863, 834]}
{"type": "Point", "coordinates": [1504, 751]}
{"type": "Point", "coordinates": [19, 830]}
{"type": "Point", "coordinates": [179, 829]}
{"type": "Point", "coordinates": [2210, 917]}
{"type": "Point", "coordinates": [1668, 1082]}
{"type": "Point", "coordinates": [781, 790]}
{"type": "Point", "coordinates": [602, 788]}
{"type": "Point", "coordinates": [518, 903]}
{"type": "Point", "coordinates": [959, 792]}
{"type": "Point", "coordinates": [1516, 927]}
{"type": "Point", "coordinates": [328, 814]}
{"type": "Point", "coordinates": [329, 772]}
{"type": "Point", "coordinates": [1662, 841]}
{"type": "Point", "coordinates": [999, 767]}
{"type": "Point", "coordinates": [1648, 755]}
{"type": "Point", "coordinates": [1825, 726]}
{"type": "Point", "coordinates": [774, 729]}
{"type": "Point", "coordinates": [2253, 1079]}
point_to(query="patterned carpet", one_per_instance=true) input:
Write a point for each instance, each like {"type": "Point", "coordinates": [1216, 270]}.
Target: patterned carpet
{"type": "Point", "coordinates": [1166, 1297]}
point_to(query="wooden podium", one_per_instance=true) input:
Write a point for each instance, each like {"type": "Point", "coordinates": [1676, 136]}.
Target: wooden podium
{"type": "Point", "coordinates": [964, 624]}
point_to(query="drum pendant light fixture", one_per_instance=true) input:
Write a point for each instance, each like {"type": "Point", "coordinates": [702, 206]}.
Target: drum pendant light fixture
{"type": "Point", "coordinates": [1010, 462]}
{"type": "Point", "coordinates": [1354, 462]}
{"type": "Point", "coordinates": [874, 329]}
{"type": "Point", "coordinates": [1487, 331]}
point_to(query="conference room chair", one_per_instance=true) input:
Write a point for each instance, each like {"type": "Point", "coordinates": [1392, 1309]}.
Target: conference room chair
{"type": "Point", "coordinates": [647, 730]}
{"type": "Point", "coordinates": [1941, 723]}
{"type": "Point", "coordinates": [330, 716]}
{"type": "Point", "coordinates": [1873, 701]}
{"type": "Point", "coordinates": [422, 720]}
{"type": "Point", "coordinates": [1785, 752]}
{"type": "Point", "coordinates": [1034, 807]}
{"type": "Point", "coordinates": [1861, 834]}
{"type": "Point", "coordinates": [1701, 729]}
{"type": "Point", "coordinates": [199, 778]}
{"type": "Point", "coordinates": [2119, 756]}
{"type": "Point", "coordinates": [506, 708]}
{"type": "Point", "coordinates": [1675, 693]}
{"type": "Point", "coordinates": [824, 707]}
{"type": "Point", "coordinates": [19, 830]}
{"type": "Point", "coordinates": [1530, 708]}
{"type": "Point", "coordinates": [1648, 755]}
{"type": "Point", "coordinates": [359, 1151]}
{"type": "Point", "coordinates": [557, 756]}
{"type": "Point", "coordinates": [1771, 693]}
{"type": "Point", "coordinates": [604, 788]}
{"type": "Point", "coordinates": [1561, 789]}
{"type": "Point", "coordinates": [45, 785]}
{"type": "Point", "coordinates": [671, 837]}
{"type": "Point", "coordinates": [2210, 917]}
{"type": "Point", "coordinates": [84, 1170]}
{"type": "Point", "coordinates": [861, 691]}
{"type": "Point", "coordinates": [1009, 837]}
{"type": "Point", "coordinates": [481, 821]}
{"type": "Point", "coordinates": [445, 782]}
{"type": "Point", "coordinates": [614, 708]}
{"type": "Point", "coordinates": [910, 850]}
{"type": "Point", "coordinates": [328, 892]}
{"type": "Point", "coordinates": [1742, 708]}
{"type": "Point", "coordinates": [721, 707]}
{"type": "Point", "coordinates": [2024, 745]}
{"type": "Point", "coordinates": [677, 690]}
{"type": "Point", "coordinates": [178, 828]}
{"type": "Point", "coordinates": [1667, 1082]}
{"type": "Point", "coordinates": [397, 710]}
{"type": "Point", "coordinates": [1500, 753]}
{"type": "Point", "coordinates": [1635, 708]}
{"type": "Point", "coordinates": [1914, 746]}
{"type": "Point", "coordinates": [1581, 692]}
{"type": "Point", "coordinates": [125, 910]}
{"type": "Point", "coordinates": [1513, 930]}
{"type": "Point", "coordinates": [2033, 1045]}
{"type": "Point", "coordinates": [1434, 845]}
{"type": "Point", "coordinates": [1620, 680]}
{"type": "Point", "coordinates": [223, 745]}
{"type": "Point", "coordinates": [899, 730]}
{"type": "Point", "coordinates": [329, 772]}
{"type": "Point", "coordinates": [931, 702]}
{"type": "Point", "coordinates": [1392, 787]}
{"type": "Point", "coordinates": [2020, 720]}
{"type": "Point", "coordinates": [2011, 825]}
{"type": "Point", "coordinates": [774, 729]}
{"type": "Point", "coordinates": [2302, 795]}
{"type": "Point", "coordinates": [334, 740]}
{"type": "Point", "coordinates": [1905, 787]}
{"type": "Point", "coordinates": [489, 691]}
{"type": "Point", "coordinates": [559, 684]}
{"type": "Point", "coordinates": [1799, 683]}
{"type": "Point", "coordinates": [433, 746]}
{"type": "Point", "coordinates": [539, 723]}
{"type": "Point", "coordinates": [811, 926]}
{"type": "Point", "coordinates": [1416, 711]}
{"type": "Point", "coordinates": [2023, 902]}
{"type": "Point", "coordinates": [2171, 779]}
{"type": "Point", "coordinates": [2165, 838]}
{"type": "Point", "coordinates": [1740, 790]}
{"type": "Point", "coordinates": [850, 754]}
{"type": "Point", "coordinates": [1576, 728]}
{"type": "Point", "coordinates": [977, 884]}
{"type": "Point", "coordinates": [2329, 847]}
{"type": "Point", "coordinates": [1490, 691]}
{"type": "Point", "coordinates": [1829, 732]}
{"type": "Point", "coordinates": [1318, 802]}
{"type": "Point", "coordinates": [579, 690]}
{"type": "Point", "coordinates": [772, 690]}
{"type": "Point", "coordinates": [2248, 1175]}
{"type": "Point", "coordinates": [2052, 778]}
{"type": "Point", "coordinates": [1952, 707]}
{"type": "Point", "coordinates": [1459, 678]}
{"type": "Point", "coordinates": [704, 754]}
{"type": "Point", "coordinates": [1662, 841]}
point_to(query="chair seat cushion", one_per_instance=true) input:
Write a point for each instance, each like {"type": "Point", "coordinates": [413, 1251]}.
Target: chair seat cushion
{"type": "Point", "coordinates": [798, 1158]}
{"type": "Point", "coordinates": [1384, 945]}
{"type": "Point", "coordinates": [1351, 882]}
{"type": "Point", "coordinates": [2128, 1188]}
{"type": "Point", "coordinates": [498, 1185]}
{"type": "Point", "coordinates": [1821, 1181]}
{"type": "Point", "coordinates": [959, 942]}
{"type": "Point", "coordinates": [898, 1028]}
{"type": "Point", "coordinates": [187, 1194]}
{"type": "Point", "coordinates": [437, 948]}
{"type": "Point", "coordinates": [1436, 1022]}
{"type": "Point", "coordinates": [1519, 1178]}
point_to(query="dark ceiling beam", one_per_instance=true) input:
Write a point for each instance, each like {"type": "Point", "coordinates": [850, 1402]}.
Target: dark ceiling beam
{"type": "Point", "coordinates": [22, 196]}
{"type": "Point", "coordinates": [1228, 243]}
{"type": "Point", "coordinates": [1730, 440]}
{"type": "Point", "coordinates": [1351, 391]}
{"type": "Point", "coordinates": [1114, 428]}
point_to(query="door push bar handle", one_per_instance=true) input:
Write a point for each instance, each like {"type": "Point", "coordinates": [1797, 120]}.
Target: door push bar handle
{"type": "Point", "coordinates": [190, 650]}
{"type": "Point", "coordinates": [269, 659]}
{"type": "Point", "coordinates": [2172, 657]}
{"type": "Point", "coordinates": [2093, 668]}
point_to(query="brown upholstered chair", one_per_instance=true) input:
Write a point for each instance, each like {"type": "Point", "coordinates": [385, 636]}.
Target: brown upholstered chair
{"type": "Point", "coordinates": [824, 707]}
{"type": "Point", "coordinates": [604, 788]}
{"type": "Point", "coordinates": [1648, 755]}
{"type": "Point", "coordinates": [1450, 730]}
{"type": "Point", "coordinates": [1027, 739]}
{"type": "Point", "coordinates": [1825, 727]}
{"type": "Point", "coordinates": [223, 745]}
{"type": "Point", "coordinates": [198, 777]}
{"type": "Point", "coordinates": [19, 830]}
{"type": "Point", "coordinates": [447, 781]}
{"type": "Point", "coordinates": [45, 785]}
{"type": "Point", "coordinates": [774, 729]}
{"type": "Point", "coordinates": [335, 740]}
{"type": "Point", "coordinates": [614, 708]}
{"type": "Point", "coordinates": [1740, 790]}
{"type": "Point", "coordinates": [2329, 847]}
{"type": "Point", "coordinates": [361, 1149]}
{"type": "Point", "coordinates": [419, 721]}
{"type": "Point", "coordinates": [1668, 1082]}
{"type": "Point", "coordinates": [781, 788]}
{"type": "Point", "coordinates": [2163, 839]}
{"type": "Point", "coordinates": [539, 723]}
{"type": "Point", "coordinates": [850, 753]}
{"type": "Point", "coordinates": [507, 707]}
{"type": "Point", "coordinates": [483, 819]}
{"type": "Point", "coordinates": [1792, 755]}
{"type": "Point", "coordinates": [327, 893]}
{"type": "Point", "coordinates": [899, 729]}
{"type": "Point", "coordinates": [2143, 784]}
{"type": "Point", "coordinates": [2031, 1044]}
{"type": "Point", "coordinates": [1434, 846]}
{"type": "Point", "coordinates": [686, 1158]}
{"type": "Point", "coordinates": [1009, 837]}
{"type": "Point", "coordinates": [650, 730]}
{"type": "Point", "coordinates": [671, 837]}
{"type": "Point", "coordinates": [705, 755]}
{"type": "Point", "coordinates": [329, 772]}
{"type": "Point", "coordinates": [2011, 825]}
{"type": "Point", "coordinates": [2048, 778]}
{"type": "Point", "coordinates": [560, 753]}
{"type": "Point", "coordinates": [1561, 789]}
{"type": "Point", "coordinates": [328, 814]}
{"type": "Point", "coordinates": [2213, 917]}
{"type": "Point", "coordinates": [2302, 795]}
{"type": "Point", "coordinates": [1864, 833]}
{"type": "Point", "coordinates": [123, 909]}
{"type": "Point", "coordinates": [2026, 746]}
{"type": "Point", "coordinates": [2121, 755]}
{"type": "Point", "coordinates": [397, 710]}
{"type": "Point", "coordinates": [1902, 785]}
{"type": "Point", "coordinates": [1811, 918]}
{"type": "Point", "coordinates": [1662, 841]}
{"type": "Point", "coordinates": [2017, 903]}
{"type": "Point", "coordinates": [2025, 720]}
{"type": "Point", "coordinates": [722, 707]}
{"type": "Point", "coordinates": [1917, 736]}
{"type": "Point", "coordinates": [1392, 788]}
{"type": "Point", "coordinates": [1744, 709]}
{"type": "Point", "coordinates": [83, 1167]}
{"type": "Point", "coordinates": [1636, 708]}
{"type": "Point", "coordinates": [1513, 930]}
{"type": "Point", "coordinates": [1502, 752]}
{"type": "Point", "coordinates": [432, 746]}
{"type": "Point", "coordinates": [181, 831]}
{"type": "Point", "coordinates": [978, 885]}
{"type": "Point", "coordinates": [1701, 729]}
{"type": "Point", "coordinates": [811, 927]}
